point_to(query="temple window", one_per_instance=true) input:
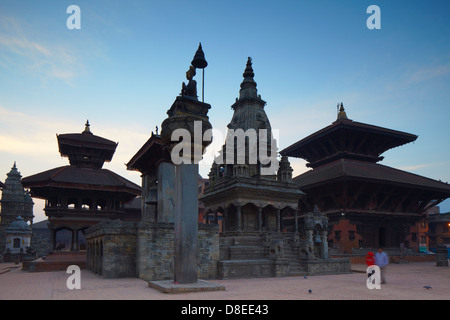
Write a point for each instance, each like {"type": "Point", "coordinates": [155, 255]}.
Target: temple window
{"type": "Point", "coordinates": [72, 203]}
{"type": "Point", "coordinates": [101, 204]}
{"type": "Point", "coordinates": [16, 243]}
{"type": "Point", "coordinates": [86, 204]}
{"type": "Point", "coordinates": [351, 235]}
{"type": "Point", "coordinates": [337, 235]}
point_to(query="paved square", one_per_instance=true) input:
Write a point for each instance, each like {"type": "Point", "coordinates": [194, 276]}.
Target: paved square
{"type": "Point", "coordinates": [404, 282]}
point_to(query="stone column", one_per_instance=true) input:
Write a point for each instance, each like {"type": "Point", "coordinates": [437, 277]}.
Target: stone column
{"type": "Point", "coordinates": [225, 220]}
{"type": "Point", "coordinates": [296, 221]}
{"type": "Point", "coordinates": [310, 242]}
{"type": "Point", "coordinates": [278, 220]}
{"type": "Point", "coordinates": [186, 223]}
{"type": "Point", "coordinates": [324, 245]}
{"type": "Point", "coordinates": [259, 219]}
{"type": "Point", "coordinates": [239, 218]}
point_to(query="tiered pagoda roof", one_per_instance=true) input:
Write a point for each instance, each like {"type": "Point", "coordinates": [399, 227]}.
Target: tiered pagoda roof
{"type": "Point", "coordinates": [86, 149]}
{"type": "Point", "coordinates": [87, 154]}
{"type": "Point", "coordinates": [347, 178]}
{"type": "Point", "coordinates": [347, 139]}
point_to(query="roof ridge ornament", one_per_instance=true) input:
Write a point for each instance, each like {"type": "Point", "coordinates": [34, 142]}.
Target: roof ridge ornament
{"type": "Point", "coordinates": [341, 114]}
{"type": "Point", "coordinates": [87, 129]}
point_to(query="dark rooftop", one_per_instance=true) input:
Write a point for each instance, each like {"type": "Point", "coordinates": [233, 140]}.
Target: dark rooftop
{"type": "Point", "coordinates": [345, 168]}
{"type": "Point", "coordinates": [84, 178]}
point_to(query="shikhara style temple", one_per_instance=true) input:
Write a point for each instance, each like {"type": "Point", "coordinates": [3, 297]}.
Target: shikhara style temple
{"type": "Point", "coordinates": [16, 209]}
{"type": "Point", "coordinates": [248, 199]}
{"type": "Point", "coordinates": [82, 194]}
{"type": "Point", "coordinates": [368, 204]}
{"type": "Point", "coordinates": [263, 233]}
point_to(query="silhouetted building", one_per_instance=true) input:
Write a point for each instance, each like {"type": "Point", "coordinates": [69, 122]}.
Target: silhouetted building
{"type": "Point", "coordinates": [15, 202]}
{"type": "Point", "coordinates": [82, 194]}
{"type": "Point", "coordinates": [368, 204]}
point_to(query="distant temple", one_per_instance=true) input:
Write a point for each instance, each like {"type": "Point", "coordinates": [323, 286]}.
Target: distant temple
{"type": "Point", "coordinates": [368, 204]}
{"type": "Point", "coordinates": [82, 194]}
{"type": "Point", "coordinates": [16, 203]}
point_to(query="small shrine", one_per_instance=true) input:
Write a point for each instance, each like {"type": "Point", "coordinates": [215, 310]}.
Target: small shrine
{"type": "Point", "coordinates": [18, 239]}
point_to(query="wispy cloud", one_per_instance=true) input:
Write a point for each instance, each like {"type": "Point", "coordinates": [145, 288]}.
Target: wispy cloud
{"type": "Point", "coordinates": [20, 51]}
{"type": "Point", "coordinates": [427, 73]}
{"type": "Point", "coordinates": [418, 167]}
{"type": "Point", "coordinates": [36, 136]}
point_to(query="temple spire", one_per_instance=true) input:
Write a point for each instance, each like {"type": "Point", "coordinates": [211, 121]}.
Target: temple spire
{"type": "Point", "coordinates": [248, 85]}
{"type": "Point", "coordinates": [248, 73]}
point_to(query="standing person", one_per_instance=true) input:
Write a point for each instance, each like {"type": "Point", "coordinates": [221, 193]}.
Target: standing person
{"type": "Point", "coordinates": [370, 261]}
{"type": "Point", "coordinates": [382, 260]}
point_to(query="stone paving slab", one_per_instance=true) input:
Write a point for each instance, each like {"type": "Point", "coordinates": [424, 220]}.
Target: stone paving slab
{"type": "Point", "coordinates": [404, 282]}
{"type": "Point", "coordinates": [168, 286]}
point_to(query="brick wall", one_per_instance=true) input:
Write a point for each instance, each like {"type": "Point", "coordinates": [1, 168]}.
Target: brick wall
{"type": "Point", "coordinates": [156, 245]}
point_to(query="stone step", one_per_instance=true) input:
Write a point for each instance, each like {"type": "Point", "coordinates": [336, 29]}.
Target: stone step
{"type": "Point", "coordinates": [247, 252]}
{"type": "Point", "coordinates": [235, 269]}
{"type": "Point", "coordinates": [56, 261]}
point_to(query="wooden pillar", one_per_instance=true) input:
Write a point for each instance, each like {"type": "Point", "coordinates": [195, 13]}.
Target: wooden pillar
{"type": "Point", "coordinates": [53, 235]}
{"type": "Point", "coordinates": [72, 241]}
{"type": "Point", "coordinates": [75, 232]}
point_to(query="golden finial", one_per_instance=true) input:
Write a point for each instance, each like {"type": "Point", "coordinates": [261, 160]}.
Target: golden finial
{"type": "Point", "coordinates": [342, 115]}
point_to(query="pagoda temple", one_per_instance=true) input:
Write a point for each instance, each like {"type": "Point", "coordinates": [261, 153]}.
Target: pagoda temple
{"type": "Point", "coordinates": [82, 194]}
{"type": "Point", "coordinates": [368, 204]}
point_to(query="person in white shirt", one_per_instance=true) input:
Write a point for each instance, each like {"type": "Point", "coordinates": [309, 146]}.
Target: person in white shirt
{"type": "Point", "coordinates": [382, 260]}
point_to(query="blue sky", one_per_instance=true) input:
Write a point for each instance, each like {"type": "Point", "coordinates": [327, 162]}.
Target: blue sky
{"type": "Point", "coordinates": [123, 69]}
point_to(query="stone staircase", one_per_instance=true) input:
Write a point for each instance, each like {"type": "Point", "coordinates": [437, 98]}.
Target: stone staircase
{"type": "Point", "coordinates": [244, 256]}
